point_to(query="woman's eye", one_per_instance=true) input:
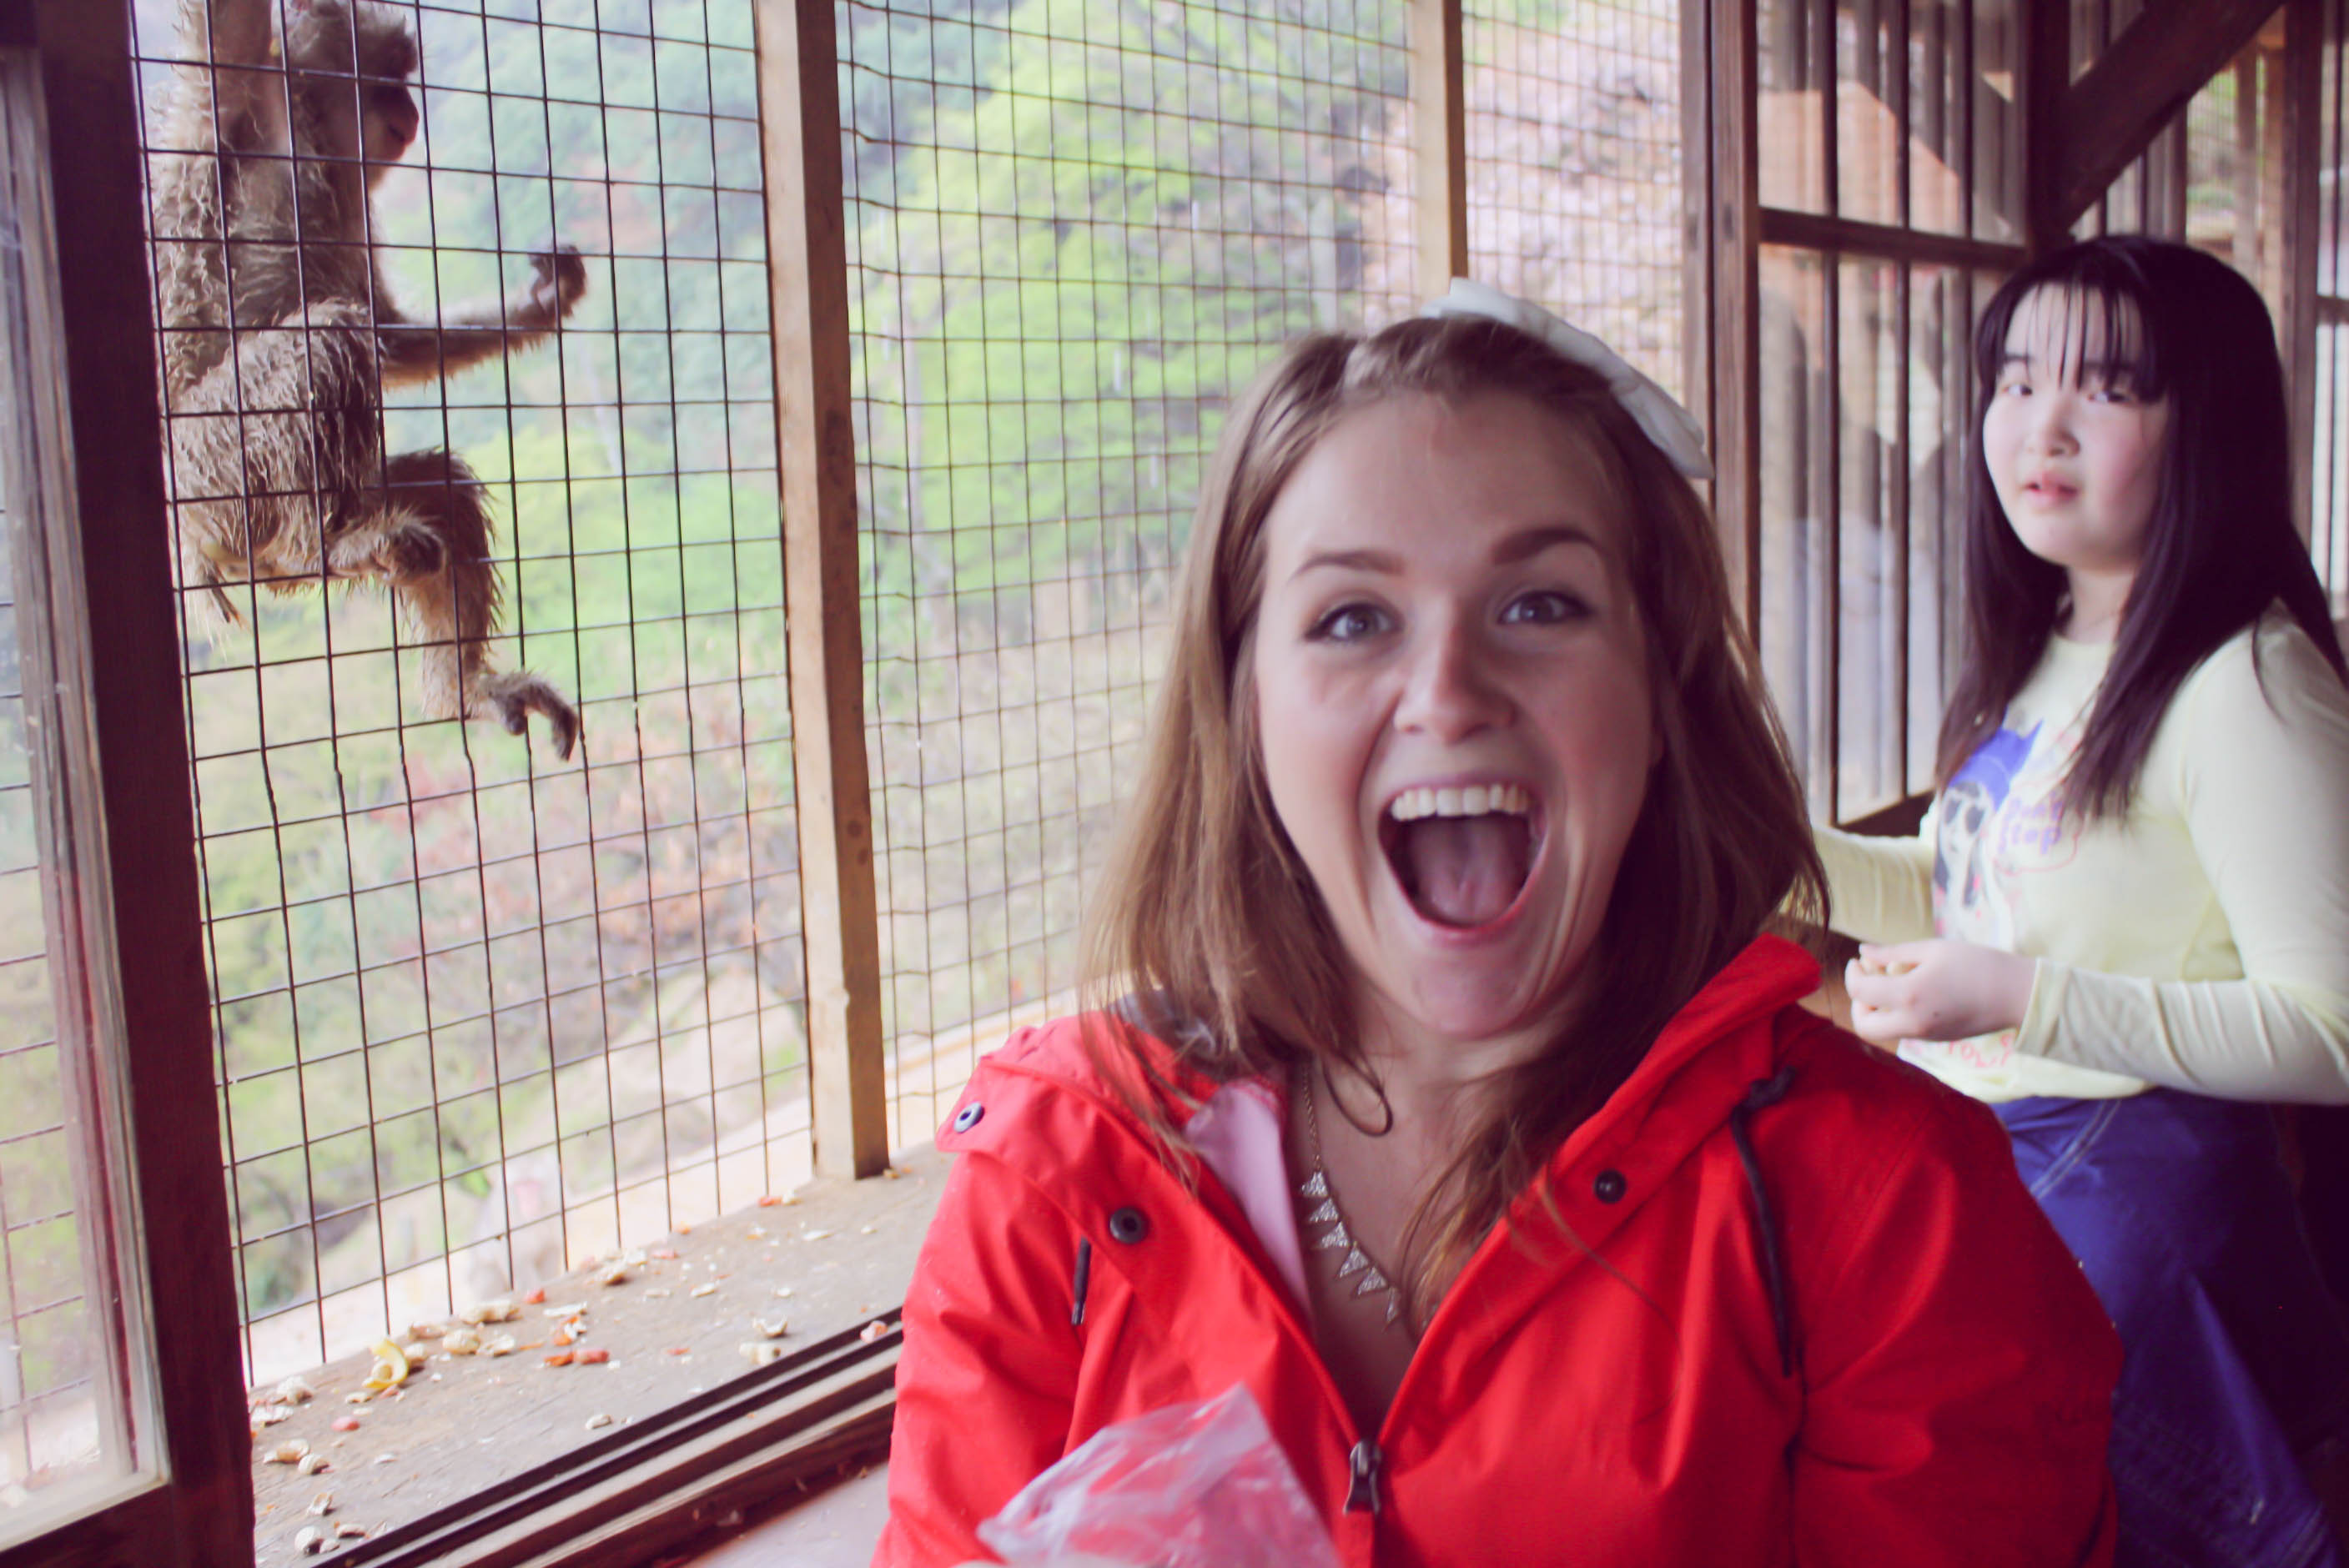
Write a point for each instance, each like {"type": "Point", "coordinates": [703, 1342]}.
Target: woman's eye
{"type": "Point", "coordinates": [1349, 623]}
{"type": "Point", "coordinates": [1542, 609]}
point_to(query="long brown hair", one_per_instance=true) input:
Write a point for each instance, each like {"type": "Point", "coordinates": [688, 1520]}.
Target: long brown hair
{"type": "Point", "coordinates": [2221, 545]}
{"type": "Point", "coordinates": [1211, 922]}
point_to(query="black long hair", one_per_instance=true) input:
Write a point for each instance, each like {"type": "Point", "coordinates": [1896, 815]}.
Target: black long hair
{"type": "Point", "coordinates": [2221, 547]}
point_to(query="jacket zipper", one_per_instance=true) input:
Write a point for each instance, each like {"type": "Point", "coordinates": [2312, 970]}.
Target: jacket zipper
{"type": "Point", "coordinates": [1363, 1462]}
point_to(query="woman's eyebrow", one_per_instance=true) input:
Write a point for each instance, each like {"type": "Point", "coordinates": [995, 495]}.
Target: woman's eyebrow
{"type": "Point", "coordinates": [2106, 368]}
{"type": "Point", "coordinates": [1522, 545]}
{"type": "Point", "coordinates": [1376, 561]}
{"type": "Point", "coordinates": [1528, 542]}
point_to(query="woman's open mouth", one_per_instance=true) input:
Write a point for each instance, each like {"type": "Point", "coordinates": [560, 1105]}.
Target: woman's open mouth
{"type": "Point", "coordinates": [1461, 855]}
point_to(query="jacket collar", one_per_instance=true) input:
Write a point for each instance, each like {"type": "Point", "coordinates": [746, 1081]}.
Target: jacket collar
{"type": "Point", "coordinates": [1698, 1068]}
{"type": "Point", "coordinates": [1705, 1057]}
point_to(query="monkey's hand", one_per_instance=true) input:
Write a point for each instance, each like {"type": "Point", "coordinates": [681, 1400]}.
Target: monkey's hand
{"type": "Point", "coordinates": [560, 283]}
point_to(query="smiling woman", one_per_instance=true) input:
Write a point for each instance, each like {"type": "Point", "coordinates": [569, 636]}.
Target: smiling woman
{"type": "Point", "coordinates": [1446, 1093]}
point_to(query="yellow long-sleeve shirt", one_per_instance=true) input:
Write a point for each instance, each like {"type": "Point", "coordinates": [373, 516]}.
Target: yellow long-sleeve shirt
{"type": "Point", "coordinates": [2201, 941]}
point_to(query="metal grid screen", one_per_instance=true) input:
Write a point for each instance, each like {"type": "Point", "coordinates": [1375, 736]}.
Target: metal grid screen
{"type": "Point", "coordinates": [482, 1016]}
{"type": "Point", "coordinates": [1074, 229]}
{"type": "Point", "coordinates": [1574, 132]}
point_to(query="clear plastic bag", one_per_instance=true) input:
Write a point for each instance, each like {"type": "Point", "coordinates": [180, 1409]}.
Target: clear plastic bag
{"type": "Point", "coordinates": [1189, 1486]}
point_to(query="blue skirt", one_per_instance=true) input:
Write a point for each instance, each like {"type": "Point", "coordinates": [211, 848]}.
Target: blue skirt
{"type": "Point", "coordinates": [2236, 1360]}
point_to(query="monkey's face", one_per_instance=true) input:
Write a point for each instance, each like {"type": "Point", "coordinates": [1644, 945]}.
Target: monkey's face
{"type": "Point", "coordinates": [352, 63]}
{"type": "Point", "coordinates": [389, 122]}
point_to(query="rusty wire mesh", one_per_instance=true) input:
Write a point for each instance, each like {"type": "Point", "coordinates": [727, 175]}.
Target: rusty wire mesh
{"type": "Point", "coordinates": [1074, 229]}
{"type": "Point", "coordinates": [481, 1016]}
{"type": "Point", "coordinates": [1575, 160]}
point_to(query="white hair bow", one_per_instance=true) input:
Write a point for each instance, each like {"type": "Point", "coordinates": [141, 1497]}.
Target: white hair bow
{"type": "Point", "coordinates": [1653, 409]}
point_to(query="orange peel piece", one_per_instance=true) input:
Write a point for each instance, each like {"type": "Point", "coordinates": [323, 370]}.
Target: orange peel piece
{"type": "Point", "coordinates": [391, 1368]}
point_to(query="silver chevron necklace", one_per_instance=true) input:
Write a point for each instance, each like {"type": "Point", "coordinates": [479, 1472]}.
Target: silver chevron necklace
{"type": "Point", "coordinates": [1321, 1209]}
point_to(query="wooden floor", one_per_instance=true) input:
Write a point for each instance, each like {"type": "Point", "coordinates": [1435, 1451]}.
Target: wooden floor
{"type": "Point", "coordinates": [832, 1528]}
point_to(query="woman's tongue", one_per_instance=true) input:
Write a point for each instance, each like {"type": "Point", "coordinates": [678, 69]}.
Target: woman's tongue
{"type": "Point", "coordinates": [1463, 871]}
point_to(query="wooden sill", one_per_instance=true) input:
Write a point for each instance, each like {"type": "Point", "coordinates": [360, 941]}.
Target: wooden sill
{"type": "Point", "coordinates": [491, 1462]}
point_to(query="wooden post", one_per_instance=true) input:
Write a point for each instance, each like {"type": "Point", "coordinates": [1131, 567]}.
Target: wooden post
{"type": "Point", "coordinates": [1440, 128]}
{"type": "Point", "coordinates": [2303, 156]}
{"type": "Point", "coordinates": [2086, 134]}
{"type": "Point", "coordinates": [2247, 168]}
{"type": "Point", "coordinates": [2046, 47]}
{"type": "Point", "coordinates": [1737, 301]}
{"type": "Point", "coordinates": [1700, 247]}
{"type": "Point", "coordinates": [798, 110]}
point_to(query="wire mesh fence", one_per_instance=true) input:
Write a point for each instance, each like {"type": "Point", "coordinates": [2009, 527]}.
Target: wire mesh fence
{"type": "Point", "coordinates": [1575, 148]}
{"type": "Point", "coordinates": [1074, 229]}
{"type": "Point", "coordinates": [481, 1016]}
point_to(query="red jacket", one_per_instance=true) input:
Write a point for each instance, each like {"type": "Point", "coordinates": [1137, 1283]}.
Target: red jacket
{"type": "Point", "coordinates": [1620, 1401]}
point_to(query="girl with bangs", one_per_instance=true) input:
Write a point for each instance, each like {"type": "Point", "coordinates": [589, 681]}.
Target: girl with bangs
{"type": "Point", "coordinates": [2125, 921]}
{"type": "Point", "coordinates": [1445, 1092]}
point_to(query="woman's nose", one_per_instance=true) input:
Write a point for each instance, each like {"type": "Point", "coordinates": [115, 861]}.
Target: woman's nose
{"type": "Point", "coordinates": [1451, 688]}
{"type": "Point", "coordinates": [2051, 424]}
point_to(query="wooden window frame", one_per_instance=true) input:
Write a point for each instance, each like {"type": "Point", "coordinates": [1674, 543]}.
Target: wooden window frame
{"type": "Point", "coordinates": [201, 1512]}
{"type": "Point", "coordinates": [198, 1512]}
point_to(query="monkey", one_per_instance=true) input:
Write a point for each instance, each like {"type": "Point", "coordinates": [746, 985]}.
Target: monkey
{"type": "Point", "coordinates": [278, 337]}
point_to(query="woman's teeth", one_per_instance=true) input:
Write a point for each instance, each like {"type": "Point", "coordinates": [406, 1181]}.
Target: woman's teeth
{"type": "Point", "coordinates": [1471, 800]}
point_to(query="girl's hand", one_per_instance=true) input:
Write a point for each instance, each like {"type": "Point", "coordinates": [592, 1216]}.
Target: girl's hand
{"type": "Point", "coordinates": [1937, 990]}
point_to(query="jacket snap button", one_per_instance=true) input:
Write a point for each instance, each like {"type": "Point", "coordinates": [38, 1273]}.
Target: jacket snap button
{"type": "Point", "coordinates": [1128, 1225]}
{"type": "Point", "coordinates": [968, 1117]}
{"type": "Point", "coordinates": [1608, 1187]}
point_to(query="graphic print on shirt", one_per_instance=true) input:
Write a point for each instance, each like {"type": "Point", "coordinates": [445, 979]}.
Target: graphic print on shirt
{"type": "Point", "coordinates": [2002, 819]}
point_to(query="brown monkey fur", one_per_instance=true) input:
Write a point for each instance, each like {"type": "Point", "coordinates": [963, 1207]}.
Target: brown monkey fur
{"type": "Point", "coordinates": [278, 337]}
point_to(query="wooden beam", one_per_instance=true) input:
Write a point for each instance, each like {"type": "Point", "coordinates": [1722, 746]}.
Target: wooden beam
{"type": "Point", "coordinates": [1439, 130]}
{"type": "Point", "coordinates": [799, 109]}
{"type": "Point", "coordinates": [2103, 122]}
{"type": "Point", "coordinates": [1736, 318]}
{"type": "Point", "coordinates": [2045, 46]}
{"type": "Point", "coordinates": [2304, 157]}
{"type": "Point", "coordinates": [1921, 247]}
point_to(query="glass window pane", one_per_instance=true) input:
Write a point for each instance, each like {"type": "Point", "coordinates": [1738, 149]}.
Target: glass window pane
{"type": "Point", "coordinates": [1871, 543]}
{"type": "Point", "coordinates": [1870, 102]}
{"type": "Point", "coordinates": [75, 1403]}
{"type": "Point", "coordinates": [1794, 71]}
{"type": "Point", "coordinates": [1793, 564]}
{"type": "Point", "coordinates": [1941, 402]}
{"type": "Point", "coordinates": [1938, 113]}
{"type": "Point", "coordinates": [1996, 107]}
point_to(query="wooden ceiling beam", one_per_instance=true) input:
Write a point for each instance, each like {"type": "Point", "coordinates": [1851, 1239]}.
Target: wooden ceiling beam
{"type": "Point", "coordinates": [2112, 113]}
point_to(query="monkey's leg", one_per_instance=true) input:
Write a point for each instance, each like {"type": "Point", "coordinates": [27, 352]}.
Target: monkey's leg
{"type": "Point", "coordinates": [456, 607]}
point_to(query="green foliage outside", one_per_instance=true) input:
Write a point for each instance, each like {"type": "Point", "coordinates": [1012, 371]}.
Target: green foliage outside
{"type": "Point", "coordinates": [1074, 228]}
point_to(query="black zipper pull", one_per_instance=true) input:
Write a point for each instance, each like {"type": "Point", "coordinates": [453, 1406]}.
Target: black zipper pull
{"type": "Point", "coordinates": [1362, 1465]}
